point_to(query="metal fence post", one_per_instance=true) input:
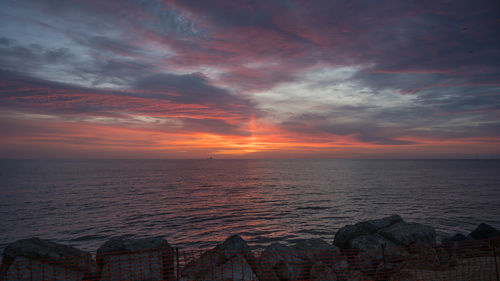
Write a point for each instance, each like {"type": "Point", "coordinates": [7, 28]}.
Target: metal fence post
{"type": "Point", "coordinates": [177, 264]}
{"type": "Point", "coordinates": [383, 254]}
{"type": "Point", "coordinates": [495, 256]}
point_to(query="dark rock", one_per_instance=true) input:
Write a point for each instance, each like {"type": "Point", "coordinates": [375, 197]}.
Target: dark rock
{"type": "Point", "coordinates": [349, 232]}
{"type": "Point", "coordinates": [406, 234]}
{"type": "Point", "coordinates": [341, 268]}
{"type": "Point", "coordinates": [446, 258]}
{"type": "Point", "coordinates": [291, 271]}
{"type": "Point", "coordinates": [121, 244]}
{"type": "Point", "coordinates": [367, 262]}
{"type": "Point", "coordinates": [136, 259]}
{"type": "Point", "coordinates": [484, 231]}
{"type": "Point", "coordinates": [370, 242]}
{"type": "Point", "coordinates": [456, 244]}
{"type": "Point", "coordinates": [220, 258]}
{"type": "Point", "coordinates": [282, 262]}
{"type": "Point", "coordinates": [315, 249]}
{"type": "Point", "coordinates": [371, 245]}
{"type": "Point", "coordinates": [385, 222]}
{"type": "Point", "coordinates": [455, 238]}
{"type": "Point", "coordinates": [277, 252]}
{"type": "Point", "coordinates": [232, 246]}
{"type": "Point", "coordinates": [322, 272]}
{"type": "Point", "coordinates": [39, 259]}
{"type": "Point", "coordinates": [385, 270]}
{"type": "Point", "coordinates": [428, 257]}
{"type": "Point", "coordinates": [236, 268]}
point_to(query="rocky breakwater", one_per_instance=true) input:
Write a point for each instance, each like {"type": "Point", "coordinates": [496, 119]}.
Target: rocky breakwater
{"type": "Point", "coordinates": [384, 249]}
{"type": "Point", "coordinates": [379, 247]}
{"type": "Point", "coordinates": [135, 259]}
{"type": "Point", "coordinates": [37, 259]}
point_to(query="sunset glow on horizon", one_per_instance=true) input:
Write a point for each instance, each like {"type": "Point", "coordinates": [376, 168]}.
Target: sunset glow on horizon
{"type": "Point", "coordinates": [249, 79]}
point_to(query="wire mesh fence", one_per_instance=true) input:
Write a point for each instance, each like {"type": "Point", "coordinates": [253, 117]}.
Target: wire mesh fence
{"type": "Point", "coordinates": [466, 260]}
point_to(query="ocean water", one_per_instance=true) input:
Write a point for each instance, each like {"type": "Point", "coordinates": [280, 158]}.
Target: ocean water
{"type": "Point", "coordinates": [195, 204]}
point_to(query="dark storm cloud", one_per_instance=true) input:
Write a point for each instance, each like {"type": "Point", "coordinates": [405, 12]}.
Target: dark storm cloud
{"type": "Point", "coordinates": [106, 44]}
{"type": "Point", "coordinates": [362, 130]}
{"type": "Point", "coordinates": [442, 55]}
{"type": "Point", "coordinates": [21, 92]}
{"type": "Point", "coordinates": [19, 57]}
{"type": "Point", "coordinates": [188, 88]}
{"type": "Point", "coordinates": [117, 71]}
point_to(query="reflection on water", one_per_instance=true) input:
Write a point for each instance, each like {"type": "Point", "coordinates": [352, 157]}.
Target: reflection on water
{"type": "Point", "coordinates": [198, 203]}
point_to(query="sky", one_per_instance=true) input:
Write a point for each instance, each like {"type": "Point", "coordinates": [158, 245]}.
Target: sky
{"type": "Point", "coordinates": [249, 79]}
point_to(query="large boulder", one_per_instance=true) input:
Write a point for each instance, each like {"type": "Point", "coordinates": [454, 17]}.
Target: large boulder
{"type": "Point", "coordinates": [295, 262]}
{"type": "Point", "coordinates": [316, 249]}
{"type": "Point", "coordinates": [322, 272]}
{"type": "Point", "coordinates": [484, 231]}
{"type": "Point", "coordinates": [38, 259]}
{"type": "Point", "coordinates": [377, 247]}
{"type": "Point", "coordinates": [219, 260]}
{"type": "Point", "coordinates": [136, 259]}
{"type": "Point", "coordinates": [385, 222]}
{"type": "Point", "coordinates": [281, 262]}
{"type": "Point", "coordinates": [406, 234]}
{"type": "Point", "coordinates": [349, 232]}
{"type": "Point", "coordinates": [236, 268]}
{"type": "Point", "coordinates": [370, 242]}
{"type": "Point", "coordinates": [455, 238]}
{"type": "Point", "coordinates": [455, 244]}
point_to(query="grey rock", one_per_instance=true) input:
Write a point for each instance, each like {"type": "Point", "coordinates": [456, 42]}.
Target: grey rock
{"type": "Point", "coordinates": [43, 259]}
{"type": "Point", "coordinates": [277, 252]}
{"type": "Point", "coordinates": [457, 243]}
{"type": "Point", "coordinates": [446, 258]}
{"type": "Point", "coordinates": [427, 257]}
{"type": "Point", "coordinates": [349, 232]}
{"type": "Point", "coordinates": [455, 238]}
{"type": "Point", "coordinates": [283, 262]}
{"type": "Point", "coordinates": [315, 249]}
{"type": "Point", "coordinates": [370, 242]}
{"type": "Point", "coordinates": [484, 231]}
{"type": "Point", "coordinates": [341, 268]}
{"type": "Point", "coordinates": [290, 271]}
{"type": "Point", "coordinates": [367, 262]}
{"type": "Point", "coordinates": [322, 272]}
{"type": "Point", "coordinates": [406, 234]}
{"type": "Point", "coordinates": [372, 246]}
{"type": "Point", "coordinates": [385, 270]}
{"type": "Point", "coordinates": [123, 244]}
{"type": "Point", "coordinates": [385, 222]}
{"type": "Point", "coordinates": [214, 259]}
{"type": "Point", "coordinates": [136, 259]}
{"type": "Point", "coordinates": [232, 246]}
{"type": "Point", "coordinates": [236, 268]}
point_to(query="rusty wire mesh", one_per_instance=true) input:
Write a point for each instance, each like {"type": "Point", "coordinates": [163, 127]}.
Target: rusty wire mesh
{"type": "Point", "coordinates": [471, 260]}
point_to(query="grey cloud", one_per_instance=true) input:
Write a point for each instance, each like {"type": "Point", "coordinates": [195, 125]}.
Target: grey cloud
{"type": "Point", "coordinates": [364, 127]}
{"type": "Point", "coordinates": [115, 71]}
{"type": "Point", "coordinates": [4, 41]}
{"type": "Point", "coordinates": [107, 44]}
{"type": "Point", "coordinates": [188, 88]}
{"type": "Point", "coordinates": [15, 56]}
{"type": "Point", "coordinates": [399, 81]}
{"type": "Point", "coordinates": [166, 20]}
{"type": "Point", "coordinates": [366, 131]}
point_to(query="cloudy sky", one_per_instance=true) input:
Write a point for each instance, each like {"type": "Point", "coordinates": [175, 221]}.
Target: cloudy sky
{"type": "Point", "coordinates": [249, 79]}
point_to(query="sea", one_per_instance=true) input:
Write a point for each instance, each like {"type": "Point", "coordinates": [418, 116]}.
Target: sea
{"type": "Point", "coordinates": [196, 204]}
